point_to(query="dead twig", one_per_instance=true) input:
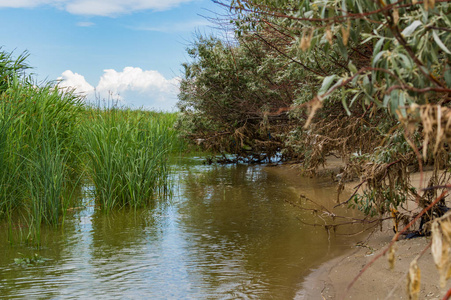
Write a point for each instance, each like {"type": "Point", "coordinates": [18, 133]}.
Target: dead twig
{"type": "Point", "coordinates": [395, 238]}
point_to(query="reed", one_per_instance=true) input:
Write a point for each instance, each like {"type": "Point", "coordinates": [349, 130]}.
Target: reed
{"type": "Point", "coordinates": [50, 138]}
{"type": "Point", "coordinates": [37, 151]}
{"type": "Point", "coordinates": [127, 155]}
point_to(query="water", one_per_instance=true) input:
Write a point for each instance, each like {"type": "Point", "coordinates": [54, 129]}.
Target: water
{"type": "Point", "coordinates": [227, 233]}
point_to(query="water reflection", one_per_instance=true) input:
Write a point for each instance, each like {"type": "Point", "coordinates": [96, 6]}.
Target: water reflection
{"type": "Point", "coordinates": [227, 233]}
{"type": "Point", "coordinates": [248, 241]}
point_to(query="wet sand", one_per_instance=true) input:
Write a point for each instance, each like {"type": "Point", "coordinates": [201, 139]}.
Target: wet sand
{"type": "Point", "coordinates": [331, 280]}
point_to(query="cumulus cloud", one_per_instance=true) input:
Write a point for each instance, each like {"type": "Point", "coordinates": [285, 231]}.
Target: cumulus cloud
{"type": "Point", "coordinates": [97, 7]}
{"type": "Point", "coordinates": [137, 80]}
{"type": "Point", "coordinates": [132, 86]}
{"type": "Point", "coordinates": [74, 81]}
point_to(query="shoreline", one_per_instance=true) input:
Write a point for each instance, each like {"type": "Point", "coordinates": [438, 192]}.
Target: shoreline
{"type": "Point", "coordinates": [331, 279]}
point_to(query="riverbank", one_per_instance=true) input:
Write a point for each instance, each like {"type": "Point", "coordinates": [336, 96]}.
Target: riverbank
{"type": "Point", "coordinates": [332, 279]}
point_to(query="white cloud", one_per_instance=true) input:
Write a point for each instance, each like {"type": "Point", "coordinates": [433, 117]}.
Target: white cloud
{"type": "Point", "coordinates": [97, 7]}
{"type": "Point", "coordinates": [74, 81]}
{"type": "Point", "coordinates": [132, 86]}
{"type": "Point", "coordinates": [24, 3]}
{"type": "Point", "coordinates": [85, 24]}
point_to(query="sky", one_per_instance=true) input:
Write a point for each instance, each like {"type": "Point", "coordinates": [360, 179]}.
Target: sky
{"type": "Point", "coordinates": [128, 51]}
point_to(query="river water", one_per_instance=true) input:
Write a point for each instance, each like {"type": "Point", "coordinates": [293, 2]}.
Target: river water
{"type": "Point", "coordinates": [228, 232]}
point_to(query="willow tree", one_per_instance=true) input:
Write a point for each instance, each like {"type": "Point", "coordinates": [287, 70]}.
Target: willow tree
{"type": "Point", "coordinates": [409, 45]}
{"type": "Point", "coordinates": [226, 96]}
{"type": "Point", "coordinates": [392, 58]}
{"type": "Point", "coordinates": [375, 77]}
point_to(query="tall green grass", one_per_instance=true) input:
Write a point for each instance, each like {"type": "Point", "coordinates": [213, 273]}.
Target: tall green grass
{"type": "Point", "coordinates": [127, 155]}
{"type": "Point", "coordinates": [50, 138]}
{"type": "Point", "coordinates": [37, 152]}
{"type": "Point", "coordinates": [46, 182]}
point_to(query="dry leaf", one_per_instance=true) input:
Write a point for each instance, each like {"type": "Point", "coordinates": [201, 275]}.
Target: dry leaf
{"type": "Point", "coordinates": [315, 104]}
{"type": "Point", "coordinates": [345, 32]}
{"type": "Point", "coordinates": [413, 280]}
{"type": "Point", "coordinates": [441, 238]}
{"type": "Point", "coordinates": [302, 44]}
{"type": "Point", "coordinates": [329, 34]}
{"type": "Point", "coordinates": [306, 39]}
{"type": "Point", "coordinates": [440, 132]}
{"type": "Point", "coordinates": [437, 245]}
{"type": "Point", "coordinates": [429, 4]}
{"type": "Point", "coordinates": [395, 16]}
{"type": "Point", "coordinates": [391, 257]}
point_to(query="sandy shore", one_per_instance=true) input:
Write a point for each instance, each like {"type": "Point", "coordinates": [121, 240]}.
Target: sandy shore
{"type": "Point", "coordinates": [330, 280]}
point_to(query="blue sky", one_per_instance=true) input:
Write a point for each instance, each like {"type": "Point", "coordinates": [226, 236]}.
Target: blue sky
{"type": "Point", "coordinates": [129, 48]}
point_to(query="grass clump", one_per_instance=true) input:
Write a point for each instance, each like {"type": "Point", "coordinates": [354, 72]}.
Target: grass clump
{"type": "Point", "coordinates": [37, 152]}
{"type": "Point", "coordinates": [127, 155]}
{"type": "Point", "coordinates": [50, 139]}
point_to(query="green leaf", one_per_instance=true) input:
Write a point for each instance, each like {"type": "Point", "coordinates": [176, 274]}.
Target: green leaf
{"type": "Point", "coordinates": [394, 101]}
{"type": "Point", "coordinates": [345, 104]}
{"type": "Point", "coordinates": [326, 48]}
{"type": "Point", "coordinates": [407, 61]}
{"type": "Point", "coordinates": [326, 84]}
{"type": "Point", "coordinates": [376, 58]}
{"type": "Point", "coordinates": [342, 47]}
{"type": "Point", "coordinates": [386, 100]}
{"type": "Point", "coordinates": [344, 8]}
{"type": "Point", "coordinates": [352, 67]}
{"type": "Point", "coordinates": [323, 12]}
{"type": "Point", "coordinates": [354, 99]}
{"type": "Point", "coordinates": [411, 28]}
{"type": "Point", "coordinates": [402, 104]}
{"type": "Point", "coordinates": [439, 42]}
{"type": "Point", "coordinates": [368, 86]}
{"type": "Point", "coordinates": [378, 46]}
{"type": "Point", "coordinates": [448, 76]}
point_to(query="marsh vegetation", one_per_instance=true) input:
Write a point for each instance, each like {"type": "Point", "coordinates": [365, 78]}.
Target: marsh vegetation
{"type": "Point", "coordinates": [366, 81]}
{"type": "Point", "coordinates": [51, 141]}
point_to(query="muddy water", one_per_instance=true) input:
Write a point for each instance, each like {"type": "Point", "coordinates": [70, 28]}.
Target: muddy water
{"type": "Point", "coordinates": [227, 233]}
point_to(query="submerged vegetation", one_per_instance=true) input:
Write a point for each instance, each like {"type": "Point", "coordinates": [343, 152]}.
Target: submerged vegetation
{"type": "Point", "coordinates": [50, 140]}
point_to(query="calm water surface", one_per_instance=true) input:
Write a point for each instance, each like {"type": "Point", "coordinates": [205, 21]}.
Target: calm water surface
{"type": "Point", "coordinates": [227, 233]}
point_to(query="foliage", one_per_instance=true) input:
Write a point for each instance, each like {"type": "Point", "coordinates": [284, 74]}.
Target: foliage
{"type": "Point", "coordinates": [11, 67]}
{"type": "Point", "coordinates": [227, 96]}
{"type": "Point", "coordinates": [50, 139]}
{"type": "Point", "coordinates": [375, 77]}
{"type": "Point", "coordinates": [127, 156]}
{"type": "Point", "coordinates": [409, 42]}
{"type": "Point", "coordinates": [37, 129]}
{"type": "Point", "coordinates": [31, 261]}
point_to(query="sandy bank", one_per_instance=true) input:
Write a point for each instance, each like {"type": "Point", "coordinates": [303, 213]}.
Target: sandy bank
{"type": "Point", "coordinates": [330, 281]}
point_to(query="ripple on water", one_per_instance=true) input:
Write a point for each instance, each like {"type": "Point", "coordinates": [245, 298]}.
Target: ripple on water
{"type": "Point", "coordinates": [226, 234]}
